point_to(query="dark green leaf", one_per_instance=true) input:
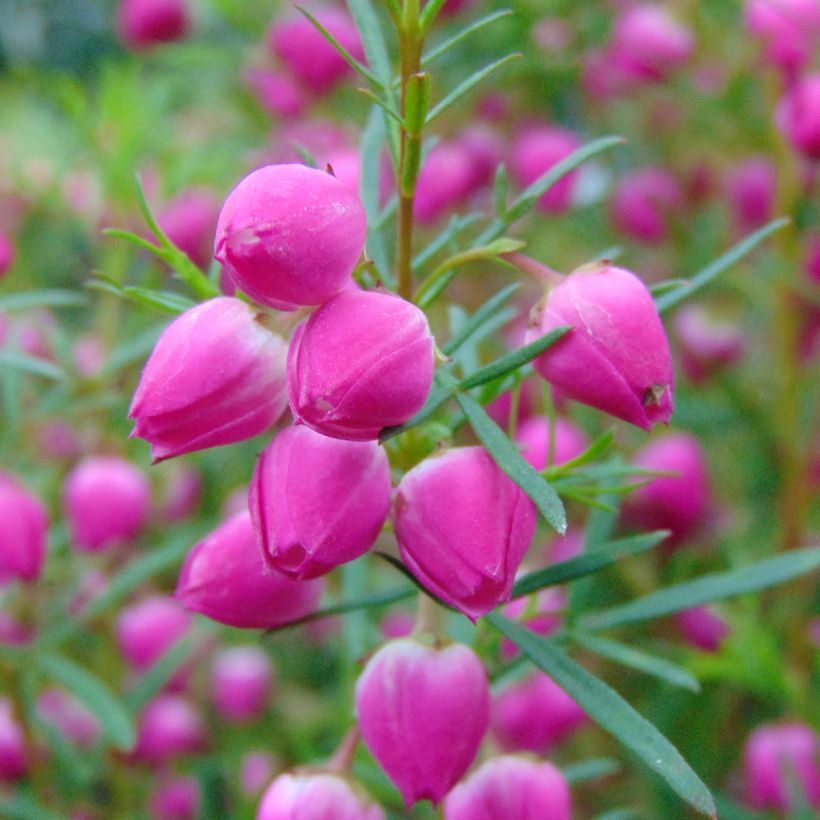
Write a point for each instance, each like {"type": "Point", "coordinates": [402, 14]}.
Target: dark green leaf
{"type": "Point", "coordinates": [506, 456]}
{"type": "Point", "coordinates": [713, 587]}
{"type": "Point", "coordinates": [605, 706]}
{"type": "Point", "coordinates": [478, 319]}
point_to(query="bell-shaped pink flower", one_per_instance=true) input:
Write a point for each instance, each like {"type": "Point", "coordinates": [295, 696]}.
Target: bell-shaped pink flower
{"type": "Point", "coordinates": [175, 798]}
{"type": "Point", "coordinates": [290, 236]}
{"type": "Point", "coordinates": [23, 532]}
{"type": "Point", "coordinates": [702, 628]}
{"type": "Point", "coordinates": [422, 713]}
{"type": "Point", "coordinates": [13, 757]}
{"type": "Point", "coordinates": [361, 362]}
{"type": "Point", "coordinates": [169, 727]}
{"type": "Point", "coordinates": [616, 357]}
{"type": "Point", "coordinates": [751, 188]}
{"type": "Point", "coordinates": [680, 502]}
{"type": "Point", "coordinates": [317, 502]}
{"type": "Point", "coordinates": [533, 437]}
{"type": "Point", "coordinates": [7, 255]}
{"type": "Point", "coordinates": [189, 221]}
{"type": "Point", "coordinates": [241, 683]}
{"type": "Point", "coordinates": [511, 787]}
{"type": "Point", "coordinates": [774, 756]}
{"type": "Point", "coordinates": [320, 796]}
{"type": "Point", "coordinates": [106, 501]}
{"type": "Point", "coordinates": [798, 115]}
{"type": "Point", "coordinates": [534, 715]}
{"type": "Point", "coordinates": [534, 151]}
{"type": "Point", "coordinates": [789, 30]}
{"type": "Point", "coordinates": [306, 53]}
{"type": "Point", "coordinates": [225, 578]}
{"type": "Point", "coordinates": [463, 527]}
{"type": "Point", "coordinates": [644, 202]}
{"type": "Point", "coordinates": [142, 24]}
{"type": "Point", "coordinates": [707, 345]}
{"type": "Point", "coordinates": [148, 629]}
{"type": "Point", "coordinates": [216, 376]}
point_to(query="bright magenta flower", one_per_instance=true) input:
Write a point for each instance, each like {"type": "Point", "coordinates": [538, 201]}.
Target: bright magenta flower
{"type": "Point", "coordinates": [23, 532]}
{"type": "Point", "coordinates": [319, 796]}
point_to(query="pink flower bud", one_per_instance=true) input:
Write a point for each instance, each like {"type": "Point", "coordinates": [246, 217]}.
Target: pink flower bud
{"type": "Point", "coordinates": [534, 715]}
{"type": "Point", "coordinates": [679, 503]}
{"type": "Point", "coordinates": [169, 727]}
{"type": "Point", "coordinates": [644, 202]}
{"type": "Point", "coordinates": [241, 683]}
{"type": "Point", "coordinates": [69, 716]}
{"type": "Point", "coordinates": [106, 501]}
{"type": "Point", "coordinates": [148, 629]}
{"type": "Point", "coordinates": [224, 577]}
{"type": "Point", "coordinates": [445, 181]}
{"type": "Point", "coordinates": [533, 436]}
{"type": "Point", "coordinates": [317, 502]}
{"type": "Point", "coordinates": [277, 93]}
{"type": "Point", "coordinates": [142, 24]}
{"type": "Point", "coordinates": [788, 28]}
{"type": "Point", "coordinates": [751, 187]}
{"type": "Point", "coordinates": [316, 797]}
{"type": "Point", "coordinates": [88, 354]}
{"type": "Point", "coordinates": [776, 754]}
{"type": "Point", "coordinates": [175, 798]}
{"type": "Point", "coordinates": [398, 623]}
{"type": "Point", "coordinates": [463, 528]}
{"type": "Point", "coordinates": [13, 758]}
{"type": "Point", "coordinates": [511, 787]}
{"type": "Point", "coordinates": [255, 772]}
{"type": "Point", "coordinates": [702, 628]}
{"type": "Point", "coordinates": [707, 346]}
{"type": "Point", "coordinates": [7, 255]}
{"type": "Point", "coordinates": [422, 714]}
{"type": "Point", "coordinates": [189, 220]}
{"type": "Point", "coordinates": [535, 150]}
{"type": "Point", "coordinates": [798, 115]}
{"type": "Point", "coordinates": [290, 236]}
{"type": "Point", "coordinates": [616, 357]}
{"type": "Point", "coordinates": [648, 43]}
{"type": "Point", "coordinates": [23, 532]}
{"type": "Point", "coordinates": [361, 362]}
{"type": "Point", "coordinates": [216, 376]}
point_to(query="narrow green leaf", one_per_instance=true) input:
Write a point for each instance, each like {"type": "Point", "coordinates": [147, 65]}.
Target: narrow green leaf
{"type": "Point", "coordinates": [159, 674]}
{"type": "Point", "coordinates": [486, 311]}
{"type": "Point", "coordinates": [592, 453]}
{"type": "Point", "coordinates": [590, 769]}
{"type": "Point", "coordinates": [500, 185]}
{"type": "Point", "coordinates": [462, 33]}
{"type": "Point", "coordinates": [115, 721]}
{"type": "Point", "coordinates": [429, 13]}
{"type": "Point", "coordinates": [50, 297]}
{"type": "Point", "coordinates": [162, 299]}
{"type": "Point", "coordinates": [506, 456]}
{"type": "Point", "coordinates": [640, 661]}
{"type": "Point", "coordinates": [713, 587]}
{"type": "Point", "coordinates": [135, 239]}
{"type": "Point", "coordinates": [621, 814]}
{"type": "Point", "coordinates": [456, 225]}
{"type": "Point", "coordinates": [514, 360]}
{"type": "Point", "coordinates": [587, 563]}
{"type": "Point", "coordinates": [438, 396]}
{"type": "Point", "coordinates": [607, 708]}
{"type": "Point", "coordinates": [729, 810]}
{"type": "Point", "coordinates": [30, 364]}
{"type": "Point", "coordinates": [734, 254]}
{"type": "Point", "coordinates": [305, 155]}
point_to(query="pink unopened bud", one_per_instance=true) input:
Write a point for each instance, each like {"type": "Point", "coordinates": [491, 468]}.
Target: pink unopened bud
{"type": "Point", "coordinates": [169, 727]}
{"type": "Point", "coordinates": [316, 797]}
{"type": "Point", "coordinates": [534, 715]}
{"type": "Point", "coordinates": [533, 436]}
{"type": "Point", "coordinates": [225, 578]}
{"type": "Point", "coordinates": [511, 787]}
{"type": "Point", "coordinates": [679, 502]}
{"type": "Point", "coordinates": [798, 115]}
{"type": "Point", "coordinates": [362, 362]}
{"type": "Point", "coordinates": [69, 716]}
{"type": "Point", "coordinates": [7, 255]}
{"type": "Point", "coordinates": [175, 798]}
{"type": "Point", "coordinates": [788, 28]}
{"type": "Point", "coordinates": [463, 528]}
{"type": "Point", "coordinates": [13, 758]}
{"type": "Point", "coordinates": [445, 181]}
{"type": "Point", "coordinates": [148, 629]}
{"type": "Point", "coordinates": [277, 93]}
{"type": "Point", "coordinates": [106, 501]}
{"type": "Point", "coordinates": [23, 532]}
{"type": "Point", "coordinates": [290, 236]}
{"type": "Point", "coordinates": [317, 502]}
{"type": "Point", "coordinates": [751, 187]}
{"type": "Point", "coordinates": [648, 43]}
{"type": "Point", "coordinates": [616, 357]}
{"type": "Point", "coordinates": [422, 714]}
{"type": "Point", "coordinates": [702, 628]}
{"type": "Point", "coordinates": [142, 24]}
{"type": "Point", "coordinates": [707, 345]}
{"type": "Point", "coordinates": [216, 376]}
{"type": "Point", "coordinates": [241, 683]}
{"type": "Point", "coordinates": [777, 756]}
{"type": "Point", "coordinates": [306, 53]}
{"type": "Point", "coordinates": [189, 220]}
{"type": "Point", "coordinates": [535, 150]}
{"type": "Point", "coordinates": [644, 202]}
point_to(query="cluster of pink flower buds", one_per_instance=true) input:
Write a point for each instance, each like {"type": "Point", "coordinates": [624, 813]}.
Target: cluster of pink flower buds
{"type": "Point", "coordinates": [789, 30]}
